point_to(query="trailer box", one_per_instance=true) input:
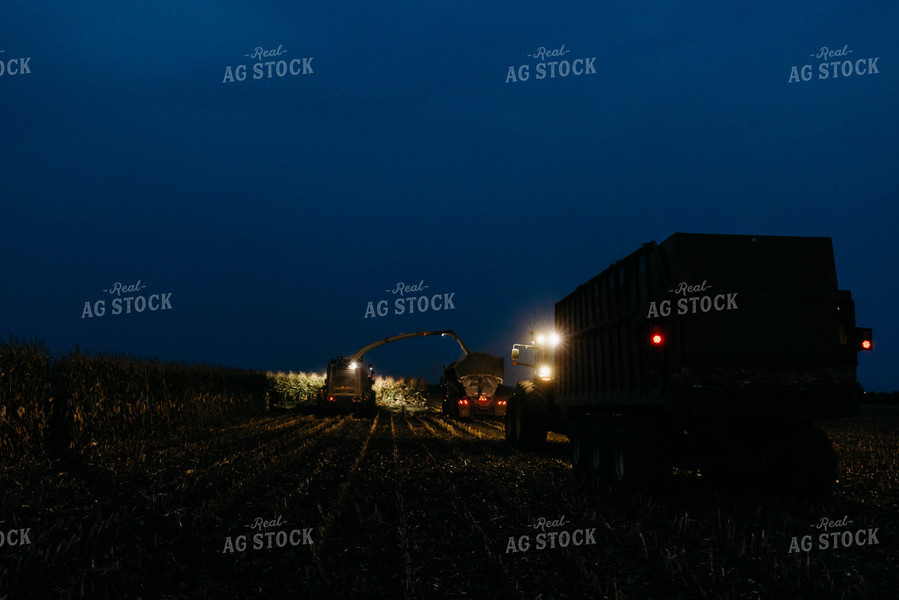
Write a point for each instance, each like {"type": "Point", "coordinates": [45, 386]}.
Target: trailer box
{"type": "Point", "coordinates": [713, 325]}
{"type": "Point", "coordinates": [703, 351]}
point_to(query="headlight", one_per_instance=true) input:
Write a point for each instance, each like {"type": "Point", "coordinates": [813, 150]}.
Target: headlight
{"type": "Point", "coordinates": [551, 339]}
{"type": "Point", "coordinates": [545, 372]}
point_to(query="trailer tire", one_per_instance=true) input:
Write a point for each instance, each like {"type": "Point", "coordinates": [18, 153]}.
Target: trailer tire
{"type": "Point", "coordinates": [627, 458]}
{"type": "Point", "coordinates": [511, 409]}
{"type": "Point", "coordinates": [580, 446]}
{"type": "Point", "coordinates": [636, 454]}
{"type": "Point", "coordinates": [810, 468]}
{"type": "Point", "coordinates": [529, 419]}
{"type": "Point", "coordinates": [599, 460]}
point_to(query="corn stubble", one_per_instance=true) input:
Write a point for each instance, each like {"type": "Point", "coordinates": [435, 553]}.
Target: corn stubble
{"type": "Point", "coordinates": [159, 464]}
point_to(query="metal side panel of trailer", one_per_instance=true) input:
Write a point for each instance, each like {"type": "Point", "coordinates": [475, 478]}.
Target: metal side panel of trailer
{"type": "Point", "coordinates": [744, 318]}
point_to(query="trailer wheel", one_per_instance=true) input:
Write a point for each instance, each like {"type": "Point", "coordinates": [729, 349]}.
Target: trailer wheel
{"type": "Point", "coordinates": [529, 418]}
{"type": "Point", "coordinates": [810, 468]}
{"type": "Point", "coordinates": [511, 409]}
{"type": "Point", "coordinates": [599, 459]}
{"type": "Point", "coordinates": [626, 464]}
{"type": "Point", "coordinates": [637, 454]}
{"type": "Point", "coordinates": [580, 445]}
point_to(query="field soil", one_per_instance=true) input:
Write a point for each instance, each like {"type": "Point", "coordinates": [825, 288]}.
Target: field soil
{"type": "Point", "coordinates": [412, 504]}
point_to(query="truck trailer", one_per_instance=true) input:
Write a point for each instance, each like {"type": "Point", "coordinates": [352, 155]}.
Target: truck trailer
{"type": "Point", "coordinates": [469, 386]}
{"type": "Point", "coordinates": [710, 353]}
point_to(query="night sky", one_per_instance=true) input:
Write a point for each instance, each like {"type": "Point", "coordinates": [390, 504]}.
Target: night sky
{"type": "Point", "coordinates": [273, 210]}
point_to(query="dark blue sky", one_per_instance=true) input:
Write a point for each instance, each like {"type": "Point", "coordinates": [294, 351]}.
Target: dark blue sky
{"type": "Point", "coordinates": [273, 210]}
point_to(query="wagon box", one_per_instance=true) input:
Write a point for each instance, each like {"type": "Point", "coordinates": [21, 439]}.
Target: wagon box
{"type": "Point", "coordinates": [714, 350]}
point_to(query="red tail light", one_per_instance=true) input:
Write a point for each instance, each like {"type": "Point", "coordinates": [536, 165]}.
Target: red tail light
{"type": "Point", "coordinates": [330, 398]}
{"type": "Point", "coordinates": [463, 402]}
{"type": "Point", "coordinates": [656, 337]}
{"type": "Point", "coordinates": [865, 338]}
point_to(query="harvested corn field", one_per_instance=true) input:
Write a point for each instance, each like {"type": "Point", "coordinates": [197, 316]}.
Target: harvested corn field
{"type": "Point", "coordinates": [417, 505]}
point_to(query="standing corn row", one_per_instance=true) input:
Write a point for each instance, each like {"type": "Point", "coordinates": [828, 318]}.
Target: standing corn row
{"type": "Point", "coordinates": [78, 399]}
{"type": "Point", "coordinates": [25, 397]}
{"type": "Point", "coordinates": [294, 387]}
